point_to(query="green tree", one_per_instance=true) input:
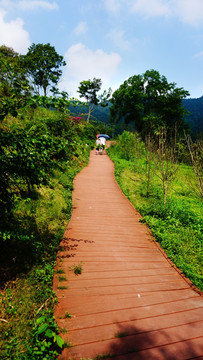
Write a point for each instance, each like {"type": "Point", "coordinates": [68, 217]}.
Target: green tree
{"type": "Point", "coordinates": [14, 85]}
{"type": "Point", "coordinates": [44, 64]}
{"type": "Point", "coordinates": [89, 89]}
{"type": "Point", "coordinates": [149, 101]}
{"type": "Point", "coordinates": [10, 62]}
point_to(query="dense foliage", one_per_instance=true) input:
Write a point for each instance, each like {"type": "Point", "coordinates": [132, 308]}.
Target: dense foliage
{"type": "Point", "coordinates": [43, 64]}
{"type": "Point", "coordinates": [148, 101]}
{"type": "Point", "coordinates": [178, 224]}
{"type": "Point", "coordinates": [14, 85]}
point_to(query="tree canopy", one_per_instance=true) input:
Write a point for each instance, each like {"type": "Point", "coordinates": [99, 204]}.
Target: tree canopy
{"type": "Point", "coordinates": [18, 82]}
{"type": "Point", "coordinates": [148, 101]}
{"type": "Point", "coordinates": [89, 89]}
{"type": "Point", "coordinates": [44, 64]}
{"type": "Point", "coordinates": [14, 85]}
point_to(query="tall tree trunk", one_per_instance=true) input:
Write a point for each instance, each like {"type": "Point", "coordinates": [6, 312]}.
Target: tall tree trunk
{"type": "Point", "coordinates": [88, 116]}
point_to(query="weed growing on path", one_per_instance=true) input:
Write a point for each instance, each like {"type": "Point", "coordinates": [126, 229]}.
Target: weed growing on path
{"type": "Point", "coordinates": [62, 287]}
{"type": "Point", "coordinates": [62, 278]}
{"type": "Point", "coordinates": [102, 357]}
{"type": "Point", "coordinates": [60, 271]}
{"type": "Point", "coordinates": [67, 315]}
{"type": "Point", "coordinates": [77, 269]}
{"type": "Point", "coordinates": [121, 334]}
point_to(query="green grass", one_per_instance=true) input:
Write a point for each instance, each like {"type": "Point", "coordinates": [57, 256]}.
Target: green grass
{"type": "Point", "coordinates": [177, 226]}
{"type": "Point", "coordinates": [25, 304]}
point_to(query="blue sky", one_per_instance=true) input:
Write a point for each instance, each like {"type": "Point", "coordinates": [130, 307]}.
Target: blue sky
{"type": "Point", "coordinates": [112, 39]}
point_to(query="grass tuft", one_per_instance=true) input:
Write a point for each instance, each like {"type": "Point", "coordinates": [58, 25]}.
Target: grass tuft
{"type": "Point", "coordinates": [77, 269]}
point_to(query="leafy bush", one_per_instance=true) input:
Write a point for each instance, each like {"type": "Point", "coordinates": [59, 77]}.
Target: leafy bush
{"type": "Point", "coordinates": [128, 146]}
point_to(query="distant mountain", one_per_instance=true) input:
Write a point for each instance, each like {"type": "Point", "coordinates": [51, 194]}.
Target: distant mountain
{"type": "Point", "coordinates": [100, 113]}
{"type": "Point", "coordinates": [195, 117]}
{"type": "Point", "coordinates": [193, 106]}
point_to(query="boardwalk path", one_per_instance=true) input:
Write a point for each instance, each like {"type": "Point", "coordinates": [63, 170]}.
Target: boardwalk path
{"type": "Point", "coordinates": [129, 301]}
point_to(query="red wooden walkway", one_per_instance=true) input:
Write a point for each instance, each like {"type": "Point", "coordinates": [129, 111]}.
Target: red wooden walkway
{"type": "Point", "coordinates": [129, 302]}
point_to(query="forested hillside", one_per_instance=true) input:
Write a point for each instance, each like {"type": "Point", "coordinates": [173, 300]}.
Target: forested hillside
{"type": "Point", "coordinates": [195, 116]}
{"type": "Point", "coordinates": [100, 113]}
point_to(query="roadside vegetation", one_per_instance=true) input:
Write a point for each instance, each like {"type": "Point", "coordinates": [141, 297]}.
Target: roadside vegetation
{"type": "Point", "coordinates": [176, 220]}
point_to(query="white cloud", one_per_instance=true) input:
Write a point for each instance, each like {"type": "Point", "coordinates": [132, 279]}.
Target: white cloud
{"type": "Point", "coordinates": [13, 35]}
{"type": "Point", "coordinates": [117, 36]}
{"type": "Point", "coordinates": [150, 8]}
{"type": "Point", "coordinates": [200, 54]}
{"type": "Point", "coordinates": [37, 4]}
{"type": "Point", "coordinates": [81, 28]}
{"type": "Point", "coordinates": [6, 4]}
{"type": "Point", "coordinates": [84, 63]}
{"type": "Point", "coordinates": [112, 5]}
{"type": "Point", "coordinates": [189, 11]}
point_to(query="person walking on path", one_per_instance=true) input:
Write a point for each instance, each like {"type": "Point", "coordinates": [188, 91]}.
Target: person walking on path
{"type": "Point", "coordinates": [98, 143]}
{"type": "Point", "coordinates": [103, 143]}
